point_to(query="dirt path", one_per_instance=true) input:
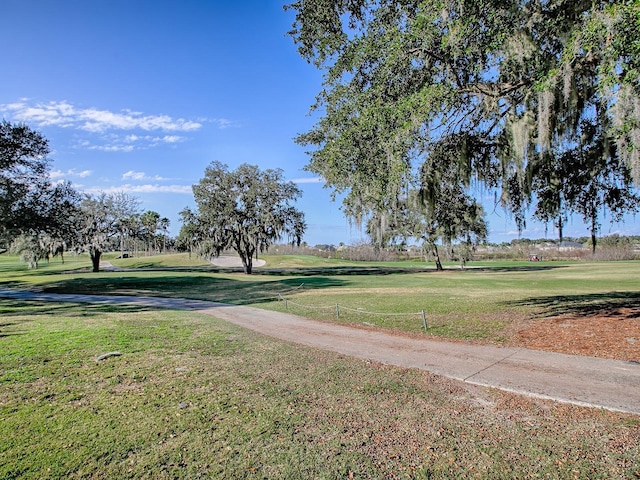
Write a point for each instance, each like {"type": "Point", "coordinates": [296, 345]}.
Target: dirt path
{"type": "Point", "coordinates": [595, 382]}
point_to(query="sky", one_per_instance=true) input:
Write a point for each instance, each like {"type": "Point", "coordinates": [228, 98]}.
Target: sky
{"type": "Point", "coordinates": [139, 96]}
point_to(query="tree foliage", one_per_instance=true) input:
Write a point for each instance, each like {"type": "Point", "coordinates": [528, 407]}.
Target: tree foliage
{"type": "Point", "coordinates": [32, 248]}
{"type": "Point", "coordinates": [51, 225]}
{"type": "Point", "coordinates": [24, 166]}
{"type": "Point", "coordinates": [511, 92]}
{"type": "Point", "coordinates": [245, 209]}
{"type": "Point", "coordinates": [190, 234]}
{"type": "Point", "coordinates": [37, 216]}
{"type": "Point", "coordinates": [100, 221]}
{"type": "Point", "coordinates": [450, 217]}
{"type": "Point", "coordinates": [41, 219]}
{"type": "Point", "coordinates": [150, 221]}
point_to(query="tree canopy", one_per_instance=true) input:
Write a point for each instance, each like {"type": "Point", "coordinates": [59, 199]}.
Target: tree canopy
{"type": "Point", "coordinates": [516, 95]}
{"type": "Point", "coordinates": [24, 166]}
{"type": "Point", "coordinates": [40, 218]}
{"type": "Point", "coordinates": [245, 209]}
{"type": "Point", "coordinates": [36, 215]}
{"type": "Point", "coordinates": [101, 219]}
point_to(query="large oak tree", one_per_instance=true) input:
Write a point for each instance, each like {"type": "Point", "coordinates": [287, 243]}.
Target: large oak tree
{"type": "Point", "coordinates": [245, 209]}
{"type": "Point", "coordinates": [507, 91]}
{"type": "Point", "coordinates": [101, 221]}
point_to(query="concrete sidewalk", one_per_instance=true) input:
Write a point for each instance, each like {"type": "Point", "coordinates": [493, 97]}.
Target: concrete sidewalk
{"type": "Point", "coordinates": [594, 382]}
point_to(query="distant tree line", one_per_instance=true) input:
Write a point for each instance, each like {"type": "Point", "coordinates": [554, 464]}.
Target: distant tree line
{"type": "Point", "coordinates": [40, 219]}
{"type": "Point", "coordinates": [611, 247]}
{"type": "Point", "coordinates": [586, 241]}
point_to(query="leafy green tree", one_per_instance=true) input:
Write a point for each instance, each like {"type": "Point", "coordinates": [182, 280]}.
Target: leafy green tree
{"type": "Point", "coordinates": [598, 181]}
{"type": "Point", "coordinates": [448, 217]}
{"type": "Point", "coordinates": [496, 87]}
{"type": "Point", "coordinates": [38, 214]}
{"type": "Point", "coordinates": [246, 210]}
{"type": "Point", "coordinates": [24, 165]}
{"type": "Point", "coordinates": [150, 221]}
{"type": "Point", "coordinates": [59, 212]}
{"type": "Point", "coordinates": [50, 222]}
{"type": "Point", "coordinates": [51, 227]}
{"type": "Point", "coordinates": [131, 232]}
{"type": "Point", "coordinates": [99, 223]}
{"type": "Point", "coordinates": [190, 232]}
{"type": "Point", "coordinates": [31, 247]}
{"type": "Point", "coordinates": [548, 186]}
{"type": "Point", "coordinates": [163, 225]}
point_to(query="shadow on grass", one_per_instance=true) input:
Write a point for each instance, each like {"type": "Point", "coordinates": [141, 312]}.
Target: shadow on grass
{"type": "Point", "coordinates": [152, 267]}
{"type": "Point", "coordinates": [340, 271]}
{"type": "Point", "coordinates": [329, 271]}
{"type": "Point", "coordinates": [591, 304]}
{"type": "Point", "coordinates": [282, 272]}
{"type": "Point", "coordinates": [535, 267]}
{"type": "Point", "coordinates": [21, 308]}
{"type": "Point", "coordinates": [199, 287]}
{"type": "Point", "coordinates": [384, 270]}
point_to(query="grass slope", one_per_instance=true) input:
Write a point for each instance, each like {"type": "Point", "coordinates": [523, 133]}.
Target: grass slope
{"type": "Point", "coordinates": [193, 397]}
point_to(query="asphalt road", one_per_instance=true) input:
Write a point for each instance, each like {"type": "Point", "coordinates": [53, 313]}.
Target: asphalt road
{"type": "Point", "coordinates": [587, 381]}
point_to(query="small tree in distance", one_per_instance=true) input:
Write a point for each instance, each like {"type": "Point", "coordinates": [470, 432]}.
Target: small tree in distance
{"type": "Point", "coordinates": [246, 209]}
{"type": "Point", "coordinates": [99, 222]}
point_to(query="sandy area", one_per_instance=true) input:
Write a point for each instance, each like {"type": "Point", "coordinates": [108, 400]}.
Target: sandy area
{"type": "Point", "coordinates": [234, 261]}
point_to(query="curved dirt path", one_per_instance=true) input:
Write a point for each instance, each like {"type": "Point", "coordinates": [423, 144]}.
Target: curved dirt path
{"type": "Point", "coordinates": [587, 381]}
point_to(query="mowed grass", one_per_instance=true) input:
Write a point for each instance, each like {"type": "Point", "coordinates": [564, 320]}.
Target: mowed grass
{"type": "Point", "coordinates": [193, 397]}
{"type": "Point", "coordinates": [481, 303]}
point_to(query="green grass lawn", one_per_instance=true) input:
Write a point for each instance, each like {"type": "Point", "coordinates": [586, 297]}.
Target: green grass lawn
{"type": "Point", "coordinates": [480, 303]}
{"type": "Point", "coordinates": [193, 397]}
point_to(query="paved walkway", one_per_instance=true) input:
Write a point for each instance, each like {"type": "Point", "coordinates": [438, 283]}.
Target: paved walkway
{"type": "Point", "coordinates": [594, 382]}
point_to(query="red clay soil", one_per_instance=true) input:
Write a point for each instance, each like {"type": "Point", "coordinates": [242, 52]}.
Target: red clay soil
{"type": "Point", "coordinates": [614, 335]}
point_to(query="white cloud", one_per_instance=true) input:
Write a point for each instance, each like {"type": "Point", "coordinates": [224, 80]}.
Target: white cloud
{"type": "Point", "coordinates": [59, 174]}
{"type": "Point", "coordinates": [172, 138]}
{"type": "Point", "coordinates": [66, 115]}
{"type": "Point", "coordinates": [224, 123]}
{"type": "Point", "coordinates": [129, 143]}
{"type": "Point", "coordinates": [147, 188]}
{"type": "Point", "coordinates": [132, 175]}
{"type": "Point", "coordinates": [111, 148]}
{"type": "Point", "coordinates": [105, 130]}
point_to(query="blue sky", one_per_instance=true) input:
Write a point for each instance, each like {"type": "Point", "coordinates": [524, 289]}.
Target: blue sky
{"type": "Point", "coordinates": [140, 96]}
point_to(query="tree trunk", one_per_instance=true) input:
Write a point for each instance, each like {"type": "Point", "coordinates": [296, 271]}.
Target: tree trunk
{"type": "Point", "coordinates": [560, 230]}
{"type": "Point", "coordinates": [434, 248]}
{"type": "Point", "coordinates": [247, 260]}
{"type": "Point", "coordinates": [95, 259]}
{"type": "Point", "coordinates": [247, 268]}
{"type": "Point", "coordinates": [247, 264]}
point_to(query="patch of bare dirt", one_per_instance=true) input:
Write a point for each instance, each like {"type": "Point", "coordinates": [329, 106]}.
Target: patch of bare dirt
{"type": "Point", "coordinates": [614, 334]}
